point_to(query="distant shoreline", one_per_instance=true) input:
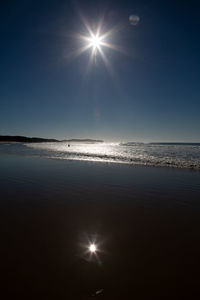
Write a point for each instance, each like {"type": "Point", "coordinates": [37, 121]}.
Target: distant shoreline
{"type": "Point", "coordinates": [25, 139]}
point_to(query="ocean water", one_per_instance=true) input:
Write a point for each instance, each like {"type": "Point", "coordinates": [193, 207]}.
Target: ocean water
{"type": "Point", "coordinates": [162, 155]}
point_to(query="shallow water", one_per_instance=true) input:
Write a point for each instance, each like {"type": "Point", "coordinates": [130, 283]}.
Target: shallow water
{"type": "Point", "coordinates": [167, 155]}
{"type": "Point", "coordinates": [144, 220]}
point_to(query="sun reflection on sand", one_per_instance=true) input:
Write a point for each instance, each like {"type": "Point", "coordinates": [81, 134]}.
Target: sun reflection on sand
{"type": "Point", "coordinates": [92, 248]}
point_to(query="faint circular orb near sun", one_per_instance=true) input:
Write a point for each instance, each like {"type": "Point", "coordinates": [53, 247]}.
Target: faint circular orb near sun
{"type": "Point", "coordinates": [134, 20]}
{"type": "Point", "coordinates": [92, 248]}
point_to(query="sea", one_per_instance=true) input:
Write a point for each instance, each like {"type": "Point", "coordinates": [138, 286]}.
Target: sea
{"type": "Point", "coordinates": [174, 155]}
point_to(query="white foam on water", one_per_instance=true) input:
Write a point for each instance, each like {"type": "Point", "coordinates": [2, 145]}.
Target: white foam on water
{"type": "Point", "coordinates": [163, 155]}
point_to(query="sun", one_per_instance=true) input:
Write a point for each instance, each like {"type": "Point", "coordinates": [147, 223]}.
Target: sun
{"type": "Point", "coordinates": [95, 41]}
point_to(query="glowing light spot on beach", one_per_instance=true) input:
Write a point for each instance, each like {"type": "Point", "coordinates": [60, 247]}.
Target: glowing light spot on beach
{"type": "Point", "coordinates": [92, 248]}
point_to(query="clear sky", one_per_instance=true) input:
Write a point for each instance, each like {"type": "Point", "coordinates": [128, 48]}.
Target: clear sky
{"type": "Point", "coordinates": [147, 91]}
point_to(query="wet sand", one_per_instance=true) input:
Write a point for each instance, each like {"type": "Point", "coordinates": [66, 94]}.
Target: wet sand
{"type": "Point", "coordinates": [145, 221]}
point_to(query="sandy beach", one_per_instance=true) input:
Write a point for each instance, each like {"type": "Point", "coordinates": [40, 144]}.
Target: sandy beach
{"type": "Point", "coordinates": [145, 222]}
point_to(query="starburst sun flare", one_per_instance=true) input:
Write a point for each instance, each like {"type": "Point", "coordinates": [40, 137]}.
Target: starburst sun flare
{"type": "Point", "coordinates": [96, 41]}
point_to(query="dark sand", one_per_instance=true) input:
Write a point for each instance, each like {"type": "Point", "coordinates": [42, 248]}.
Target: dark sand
{"type": "Point", "coordinates": [146, 220]}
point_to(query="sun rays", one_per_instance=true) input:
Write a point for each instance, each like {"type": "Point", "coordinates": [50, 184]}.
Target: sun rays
{"type": "Point", "coordinates": [96, 41]}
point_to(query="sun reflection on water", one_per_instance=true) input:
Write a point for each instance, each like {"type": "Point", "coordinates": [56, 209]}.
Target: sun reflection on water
{"type": "Point", "coordinates": [135, 154]}
{"type": "Point", "coordinates": [91, 152]}
{"type": "Point", "coordinates": [94, 152]}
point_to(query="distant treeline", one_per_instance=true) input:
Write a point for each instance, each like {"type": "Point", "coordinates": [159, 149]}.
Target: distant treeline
{"type": "Point", "coordinates": [25, 139]}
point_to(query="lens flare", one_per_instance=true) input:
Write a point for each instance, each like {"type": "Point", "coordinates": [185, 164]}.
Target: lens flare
{"type": "Point", "coordinates": [134, 20]}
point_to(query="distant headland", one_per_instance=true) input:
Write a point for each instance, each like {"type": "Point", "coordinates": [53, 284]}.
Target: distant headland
{"type": "Point", "coordinates": [25, 139]}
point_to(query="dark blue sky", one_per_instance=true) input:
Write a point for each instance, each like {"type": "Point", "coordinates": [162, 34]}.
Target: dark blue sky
{"type": "Point", "coordinates": [153, 93]}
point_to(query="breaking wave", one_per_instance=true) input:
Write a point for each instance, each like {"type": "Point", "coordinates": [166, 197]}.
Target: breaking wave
{"type": "Point", "coordinates": [163, 155]}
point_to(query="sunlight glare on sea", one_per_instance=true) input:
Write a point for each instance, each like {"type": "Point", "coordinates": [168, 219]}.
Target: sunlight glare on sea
{"type": "Point", "coordinates": [162, 155]}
